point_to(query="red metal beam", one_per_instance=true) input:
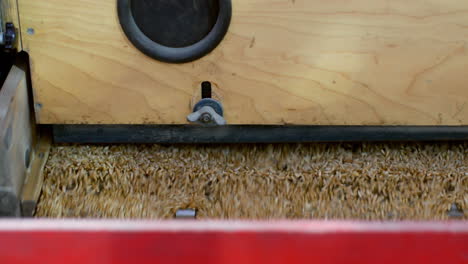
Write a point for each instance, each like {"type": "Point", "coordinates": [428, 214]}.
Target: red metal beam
{"type": "Point", "coordinates": [50, 242]}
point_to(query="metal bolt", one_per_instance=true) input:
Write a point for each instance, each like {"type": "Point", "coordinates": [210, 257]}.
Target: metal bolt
{"type": "Point", "coordinates": [454, 212]}
{"type": "Point", "coordinates": [30, 31]}
{"type": "Point", "coordinates": [206, 118]}
{"type": "Point", "coordinates": [8, 37]}
{"type": "Point", "coordinates": [186, 214]}
{"type": "Point", "coordinates": [206, 115]}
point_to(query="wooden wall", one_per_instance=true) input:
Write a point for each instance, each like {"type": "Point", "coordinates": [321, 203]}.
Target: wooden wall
{"type": "Point", "coordinates": [340, 62]}
{"type": "Point", "coordinates": [16, 140]}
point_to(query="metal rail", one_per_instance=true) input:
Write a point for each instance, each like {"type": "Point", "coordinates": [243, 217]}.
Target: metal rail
{"type": "Point", "coordinates": [252, 133]}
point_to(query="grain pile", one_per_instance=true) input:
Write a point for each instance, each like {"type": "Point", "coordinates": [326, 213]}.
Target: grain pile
{"type": "Point", "coordinates": [321, 181]}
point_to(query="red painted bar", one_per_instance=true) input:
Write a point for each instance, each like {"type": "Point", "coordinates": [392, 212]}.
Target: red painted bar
{"type": "Point", "coordinates": [51, 242]}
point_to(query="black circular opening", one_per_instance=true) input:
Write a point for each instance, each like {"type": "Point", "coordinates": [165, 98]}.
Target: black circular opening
{"type": "Point", "coordinates": [175, 23]}
{"type": "Point", "coordinates": [175, 30]}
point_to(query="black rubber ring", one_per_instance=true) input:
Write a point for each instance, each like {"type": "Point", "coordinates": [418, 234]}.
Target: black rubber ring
{"type": "Point", "coordinates": [169, 54]}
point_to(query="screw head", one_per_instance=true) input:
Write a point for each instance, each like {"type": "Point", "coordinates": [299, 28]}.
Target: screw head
{"type": "Point", "coordinates": [206, 118]}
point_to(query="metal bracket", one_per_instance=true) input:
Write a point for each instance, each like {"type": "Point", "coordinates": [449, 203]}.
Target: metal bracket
{"type": "Point", "coordinates": [8, 37]}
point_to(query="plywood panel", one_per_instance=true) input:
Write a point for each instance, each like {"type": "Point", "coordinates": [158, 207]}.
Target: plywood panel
{"type": "Point", "coordinates": [361, 62]}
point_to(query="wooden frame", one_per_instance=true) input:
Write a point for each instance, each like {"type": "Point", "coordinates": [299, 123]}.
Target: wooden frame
{"type": "Point", "coordinates": [301, 62]}
{"type": "Point", "coordinates": [16, 140]}
{"type": "Point", "coordinates": [32, 186]}
{"type": "Point", "coordinates": [23, 149]}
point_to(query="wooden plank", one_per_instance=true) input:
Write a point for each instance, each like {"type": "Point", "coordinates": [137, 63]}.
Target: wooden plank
{"type": "Point", "coordinates": [15, 140]}
{"type": "Point", "coordinates": [9, 13]}
{"type": "Point", "coordinates": [78, 241]}
{"type": "Point", "coordinates": [307, 62]}
{"type": "Point", "coordinates": [34, 177]}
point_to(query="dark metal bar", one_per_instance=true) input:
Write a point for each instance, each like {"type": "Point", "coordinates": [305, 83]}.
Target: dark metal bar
{"type": "Point", "coordinates": [252, 133]}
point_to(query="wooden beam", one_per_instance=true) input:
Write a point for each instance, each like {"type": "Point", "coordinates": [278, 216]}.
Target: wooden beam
{"type": "Point", "coordinates": [16, 140]}
{"type": "Point", "coordinates": [34, 176]}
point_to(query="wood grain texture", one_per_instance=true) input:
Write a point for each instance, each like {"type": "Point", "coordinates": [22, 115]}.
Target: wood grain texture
{"type": "Point", "coordinates": [343, 62]}
{"type": "Point", "coordinates": [9, 13]}
{"type": "Point", "coordinates": [15, 140]}
{"type": "Point", "coordinates": [35, 176]}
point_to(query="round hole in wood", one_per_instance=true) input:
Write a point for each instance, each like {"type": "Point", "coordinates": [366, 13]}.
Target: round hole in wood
{"type": "Point", "coordinates": [175, 30]}
{"type": "Point", "coordinates": [175, 23]}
